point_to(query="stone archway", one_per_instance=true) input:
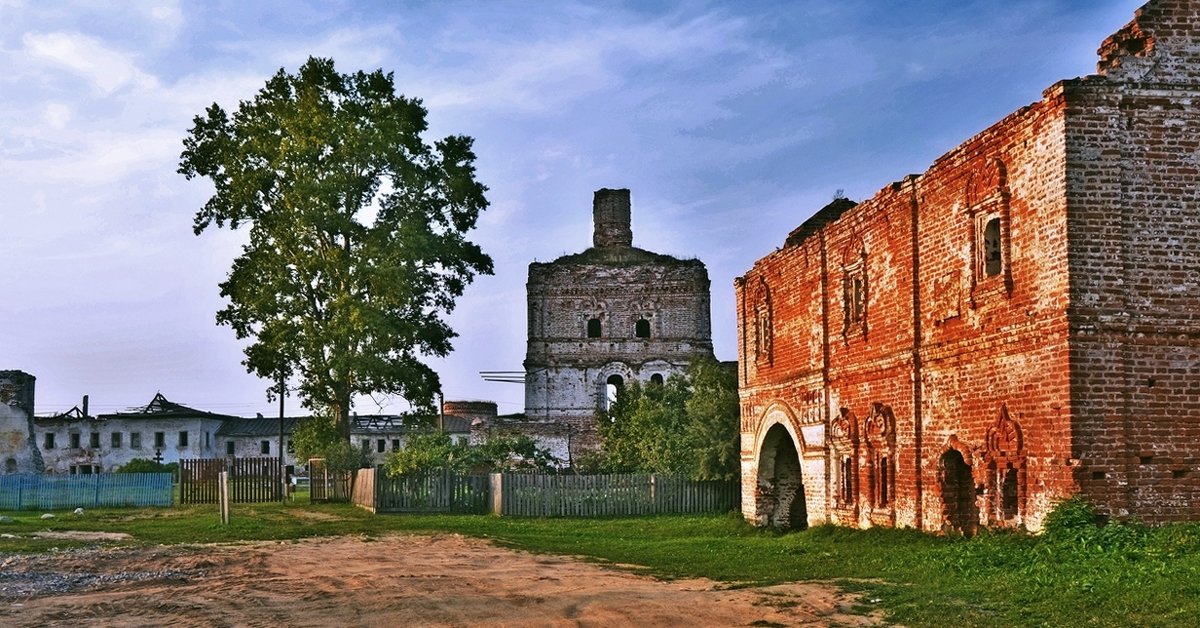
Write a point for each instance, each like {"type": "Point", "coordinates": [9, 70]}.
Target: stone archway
{"type": "Point", "coordinates": [780, 495]}
{"type": "Point", "coordinates": [957, 485]}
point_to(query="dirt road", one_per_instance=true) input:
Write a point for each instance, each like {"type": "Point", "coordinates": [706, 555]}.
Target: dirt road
{"type": "Point", "coordinates": [398, 580]}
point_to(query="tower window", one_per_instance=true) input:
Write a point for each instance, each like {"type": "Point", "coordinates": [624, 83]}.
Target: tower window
{"type": "Point", "coordinates": [593, 328]}
{"type": "Point", "coordinates": [642, 328]}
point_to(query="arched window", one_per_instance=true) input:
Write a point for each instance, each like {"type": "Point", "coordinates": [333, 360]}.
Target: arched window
{"type": "Point", "coordinates": [613, 388]}
{"type": "Point", "coordinates": [656, 379]}
{"type": "Point", "coordinates": [642, 328]}
{"type": "Point", "coordinates": [593, 328]}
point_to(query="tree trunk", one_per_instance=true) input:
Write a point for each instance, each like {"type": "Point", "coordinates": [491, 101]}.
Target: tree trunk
{"type": "Point", "coordinates": [341, 417]}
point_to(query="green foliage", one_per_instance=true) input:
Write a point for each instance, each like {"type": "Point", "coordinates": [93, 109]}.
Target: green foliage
{"type": "Point", "coordinates": [1070, 518]}
{"type": "Point", "coordinates": [510, 452]}
{"type": "Point", "coordinates": [424, 452]}
{"type": "Point", "coordinates": [143, 465]}
{"type": "Point", "coordinates": [687, 425]}
{"type": "Point", "coordinates": [318, 437]}
{"type": "Point", "coordinates": [356, 246]}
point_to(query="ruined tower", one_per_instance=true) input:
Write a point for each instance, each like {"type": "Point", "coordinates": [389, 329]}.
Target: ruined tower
{"type": "Point", "coordinates": [18, 451]}
{"type": "Point", "coordinates": [608, 316]}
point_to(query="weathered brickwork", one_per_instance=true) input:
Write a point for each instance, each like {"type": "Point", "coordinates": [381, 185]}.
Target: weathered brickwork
{"type": "Point", "coordinates": [1018, 324]}
{"type": "Point", "coordinates": [608, 316]}
{"type": "Point", "coordinates": [18, 451]}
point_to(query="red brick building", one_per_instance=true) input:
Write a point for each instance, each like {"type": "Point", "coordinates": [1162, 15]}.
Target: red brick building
{"type": "Point", "coordinates": [1018, 324]}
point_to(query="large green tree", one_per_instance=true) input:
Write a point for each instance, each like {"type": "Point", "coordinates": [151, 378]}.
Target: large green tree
{"type": "Point", "coordinates": [357, 233]}
{"type": "Point", "coordinates": [686, 425]}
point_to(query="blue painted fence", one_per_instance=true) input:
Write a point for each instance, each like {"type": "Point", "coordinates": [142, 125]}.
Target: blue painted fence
{"type": "Point", "coordinates": [26, 491]}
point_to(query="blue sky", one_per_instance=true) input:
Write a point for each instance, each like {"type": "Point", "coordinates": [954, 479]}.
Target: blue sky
{"type": "Point", "coordinates": [730, 122]}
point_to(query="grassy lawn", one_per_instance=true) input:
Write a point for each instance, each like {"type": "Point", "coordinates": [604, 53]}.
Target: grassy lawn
{"type": "Point", "coordinates": [1111, 576]}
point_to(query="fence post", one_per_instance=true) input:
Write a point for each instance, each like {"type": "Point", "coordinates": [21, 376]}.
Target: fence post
{"type": "Point", "coordinates": [224, 486]}
{"type": "Point", "coordinates": [497, 485]}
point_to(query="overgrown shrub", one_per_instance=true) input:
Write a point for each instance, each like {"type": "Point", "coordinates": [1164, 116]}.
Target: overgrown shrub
{"type": "Point", "coordinates": [1071, 517]}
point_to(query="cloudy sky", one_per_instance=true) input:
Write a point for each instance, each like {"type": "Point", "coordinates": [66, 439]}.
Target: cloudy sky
{"type": "Point", "coordinates": [730, 122]}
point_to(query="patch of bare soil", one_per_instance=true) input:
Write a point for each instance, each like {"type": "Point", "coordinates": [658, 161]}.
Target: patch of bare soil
{"type": "Point", "coordinates": [398, 580]}
{"type": "Point", "coordinates": [314, 515]}
{"type": "Point", "coordinates": [80, 535]}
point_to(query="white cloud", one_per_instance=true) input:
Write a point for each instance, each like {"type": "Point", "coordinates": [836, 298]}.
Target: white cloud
{"type": "Point", "coordinates": [105, 69]}
{"type": "Point", "coordinates": [56, 115]}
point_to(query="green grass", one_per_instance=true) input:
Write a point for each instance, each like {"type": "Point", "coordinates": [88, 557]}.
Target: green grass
{"type": "Point", "coordinates": [1088, 576]}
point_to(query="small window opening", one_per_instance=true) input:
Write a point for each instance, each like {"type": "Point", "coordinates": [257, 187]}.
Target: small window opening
{"type": "Point", "coordinates": [381, 445]}
{"type": "Point", "coordinates": [115, 440]}
{"type": "Point", "coordinates": [593, 328]}
{"type": "Point", "coordinates": [160, 440]}
{"type": "Point", "coordinates": [75, 441]}
{"type": "Point", "coordinates": [656, 379]}
{"type": "Point", "coordinates": [1008, 494]}
{"type": "Point", "coordinates": [847, 479]}
{"type": "Point", "coordinates": [395, 444]}
{"type": "Point", "coordinates": [183, 439]}
{"type": "Point", "coordinates": [642, 328]}
{"type": "Point", "coordinates": [1146, 459]}
{"type": "Point", "coordinates": [992, 255]}
{"type": "Point", "coordinates": [48, 441]}
{"type": "Point", "coordinates": [857, 299]}
{"type": "Point", "coordinates": [1098, 475]}
{"type": "Point", "coordinates": [135, 440]}
{"type": "Point", "coordinates": [229, 448]}
{"type": "Point", "coordinates": [883, 481]}
{"type": "Point", "coordinates": [264, 447]}
{"type": "Point", "coordinates": [95, 440]}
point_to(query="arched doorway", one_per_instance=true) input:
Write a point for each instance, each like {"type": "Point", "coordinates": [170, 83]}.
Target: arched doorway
{"type": "Point", "coordinates": [958, 493]}
{"type": "Point", "coordinates": [780, 496]}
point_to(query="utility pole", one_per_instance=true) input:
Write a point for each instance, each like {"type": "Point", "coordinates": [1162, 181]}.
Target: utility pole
{"type": "Point", "coordinates": [283, 480]}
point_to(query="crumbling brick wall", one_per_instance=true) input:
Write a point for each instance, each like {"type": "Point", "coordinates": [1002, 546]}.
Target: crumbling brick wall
{"type": "Point", "coordinates": [1133, 137]}
{"type": "Point", "coordinates": [974, 343]}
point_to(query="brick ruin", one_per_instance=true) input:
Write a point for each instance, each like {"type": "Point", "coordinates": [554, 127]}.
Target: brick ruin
{"type": "Point", "coordinates": [1018, 324]}
{"type": "Point", "coordinates": [605, 317]}
{"type": "Point", "coordinates": [18, 450]}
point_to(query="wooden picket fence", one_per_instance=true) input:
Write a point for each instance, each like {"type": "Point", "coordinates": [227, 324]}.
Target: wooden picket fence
{"type": "Point", "coordinates": [613, 495]}
{"type": "Point", "coordinates": [251, 480]}
{"type": "Point", "coordinates": [441, 491]}
{"type": "Point", "coordinates": [29, 491]}
{"type": "Point", "coordinates": [326, 485]}
{"type": "Point", "coordinates": [536, 495]}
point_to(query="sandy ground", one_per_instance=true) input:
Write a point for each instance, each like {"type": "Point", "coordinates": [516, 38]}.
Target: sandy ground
{"type": "Point", "coordinates": [399, 580]}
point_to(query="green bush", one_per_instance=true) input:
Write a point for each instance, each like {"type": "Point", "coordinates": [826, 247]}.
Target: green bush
{"type": "Point", "coordinates": [1070, 518]}
{"type": "Point", "coordinates": [142, 465]}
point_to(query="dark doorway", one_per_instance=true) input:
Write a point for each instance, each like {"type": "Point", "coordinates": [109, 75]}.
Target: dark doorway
{"type": "Point", "coordinates": [958, 494]}
{"type": "Point", "coordinates": [781, 499]}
